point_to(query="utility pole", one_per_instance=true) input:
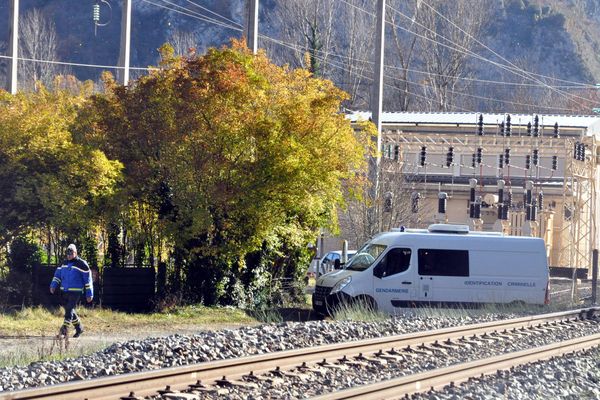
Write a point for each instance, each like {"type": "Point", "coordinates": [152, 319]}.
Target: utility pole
{"type": "Point", "coordinates": [252, 25]}
{"type": "Point", "coordinates": [376, 111]}
{"type": "Point", "coordinates": [377, 94]}
{"type": "Point", "coordinates": [13, 49]}
{"type": "Point", "coordinates": [123, 72]}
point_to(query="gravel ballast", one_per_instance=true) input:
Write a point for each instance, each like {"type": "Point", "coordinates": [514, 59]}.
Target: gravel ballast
{"type": "Point", "coordinates": [175, 350]}
{"type": "Point", "coordinates": [573, 377]}
{"type": "Point", "coordinates": [327, 379]}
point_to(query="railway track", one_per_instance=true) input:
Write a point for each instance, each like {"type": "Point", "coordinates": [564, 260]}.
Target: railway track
{"type": "Point", "coordinates": [244, 372]}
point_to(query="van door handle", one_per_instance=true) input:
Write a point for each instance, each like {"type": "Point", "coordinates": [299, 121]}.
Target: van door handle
{"type": "Point", "coordinates": [407, 283]}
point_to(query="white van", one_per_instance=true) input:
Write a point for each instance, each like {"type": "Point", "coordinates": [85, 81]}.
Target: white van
{"type": "Point", "coordinates": [443, 264]}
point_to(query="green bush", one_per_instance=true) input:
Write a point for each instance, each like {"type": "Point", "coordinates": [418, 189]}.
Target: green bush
{"type": "Point", "coordinates": [23, 256]}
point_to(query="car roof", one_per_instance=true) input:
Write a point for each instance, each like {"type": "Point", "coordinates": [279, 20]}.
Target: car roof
{"type": "Point", "coordinates": [340, 252]}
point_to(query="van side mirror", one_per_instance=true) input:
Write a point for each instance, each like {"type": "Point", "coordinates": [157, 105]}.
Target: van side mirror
{"type": "Point", "coordinates": [337, 264]}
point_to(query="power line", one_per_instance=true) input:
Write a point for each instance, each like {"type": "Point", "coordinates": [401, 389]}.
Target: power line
{"type": "Point", "coordinates": [498, 55]}
{"type": "Point", "coordinates": [200, 15]}
{"type": "Point", "coordinates": [214, 13]}
{"type": "Point", "coordinates": [195, 15]}
{"type": "Point", "coordinates": [328, 61]}
{"type": "Point", "coordinates": [464, 50]}
{"type": "Point", "coordinates": [79, 64]}
{"type": "Point", "coordinates": [293, 47]}
{"type": "Point", "coordinates": [334, 64]}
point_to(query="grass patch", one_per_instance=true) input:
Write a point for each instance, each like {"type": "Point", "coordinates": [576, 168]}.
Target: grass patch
{"type": "Point", "coordinates": [47, 349]}
{"type": "Point", "coordinates": [358, 311]}
{"type": "Point", "coordinates": [33, 320]}
{"type": "Point", "coordinates": [266, 315]}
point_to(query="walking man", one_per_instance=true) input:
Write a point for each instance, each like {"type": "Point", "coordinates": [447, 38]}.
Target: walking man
{"type": "Point", "coordinates": [74, 278]}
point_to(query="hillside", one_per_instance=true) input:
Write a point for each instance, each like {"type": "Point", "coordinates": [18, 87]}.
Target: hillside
{"type": "Point", "coordinates": [558, 38]}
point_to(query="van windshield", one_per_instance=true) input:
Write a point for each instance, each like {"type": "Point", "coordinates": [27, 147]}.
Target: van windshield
{"type": "Point", "coordinates": [365, 257]}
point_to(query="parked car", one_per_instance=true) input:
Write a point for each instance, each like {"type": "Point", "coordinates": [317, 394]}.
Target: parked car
{"type": "Point", "coordinates": [327, 263]}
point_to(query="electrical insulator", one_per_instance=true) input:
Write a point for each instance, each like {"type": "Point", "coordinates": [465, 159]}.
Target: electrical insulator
{"type": "Point", "coordinates": [505, 212]}
{"type": "Point", "coordinates": [508, 201]}
{"type": "Point", "coordinates": [388, 202]}
{"type": "Point", "coordinates": [396, 153]}
{"type": "Point", "coordinates": [480, 125]}
{"type": "Point", "coordinates": [474, 161]}
{"type": "Point", "coordinates": [529, 129]}
{"type": "Point", "coordinates": [442, 196]}
{"type": "Point", "coordinates": [576, 150]}
{"type": "Point", "coordinates": [479, 155]}
{"type": "Point", "coordinates": [541, 201]}
{"type": "Point", "coordinates": [501, 128]}
{"type": "Point", "coordinates": [96, 13]}
{"type": "Point", "coordinates": [556, 133]}
{"type": "Point", "coordinates": [507, 129]}
{"type": "Point", "coordinates": [423, 156]}
{"type": "Point", "coordinates": [536, 126]}
{"type": "Point", "coordinates": [527, 161]}
{"type": "Point", "coordinates": [533, 214]}
{"type": "Point", "coordinates": [582, 152]}
{"type": "Point", "coordinates": [415, 196]}
{"type": "Point", "coordinates": [535, 157]}
{"type": "Point", "coordinates": [507, 156]}
{"type": "Point", "coordinates": [501, 161]}
{"type": "Point", "coordinates": [554, 163]}
{"type": "Point", "coordinates": [477, 211]}
{"type": "Point", "coordinates": [450, 156]}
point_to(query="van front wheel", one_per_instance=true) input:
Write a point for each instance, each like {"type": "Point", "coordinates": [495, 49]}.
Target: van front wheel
{"type": "Point", "coordinates": [365, 302]}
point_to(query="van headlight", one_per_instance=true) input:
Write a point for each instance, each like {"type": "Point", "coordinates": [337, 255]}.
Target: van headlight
{"type": "Point", "coordinates": [341, 284]}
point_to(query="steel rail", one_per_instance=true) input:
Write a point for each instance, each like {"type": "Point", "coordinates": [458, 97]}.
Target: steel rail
{"type": "Point", "coordinates": [179, 378]}
{"type": "Point", "coordinates": [439, 378]}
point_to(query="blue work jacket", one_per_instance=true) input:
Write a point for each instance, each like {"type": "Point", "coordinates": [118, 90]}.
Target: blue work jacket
{"type": "Point", "coordinates": [74, 276]}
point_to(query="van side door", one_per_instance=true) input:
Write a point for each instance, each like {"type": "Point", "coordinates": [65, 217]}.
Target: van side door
{"type": "Point", "coordinates": [441, 274]}
{"type": "Point", "coordinates": [393, 280]}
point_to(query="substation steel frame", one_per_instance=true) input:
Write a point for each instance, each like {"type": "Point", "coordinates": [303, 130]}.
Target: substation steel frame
{"type": "Point", "coordinates": [579, 180]}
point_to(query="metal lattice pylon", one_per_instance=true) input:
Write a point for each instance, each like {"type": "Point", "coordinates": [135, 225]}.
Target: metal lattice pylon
{"type": "Point", "coordinates": [577, 232]}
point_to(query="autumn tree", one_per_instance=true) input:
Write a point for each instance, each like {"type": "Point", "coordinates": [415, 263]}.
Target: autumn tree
{"type": "Point", "coordinates": [49, 182]}
{"type": "Point", "coordinates": [234, 154]}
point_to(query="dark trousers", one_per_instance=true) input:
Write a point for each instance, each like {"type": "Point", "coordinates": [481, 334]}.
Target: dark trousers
{"type": "Point", "coordinates": [70, 302]}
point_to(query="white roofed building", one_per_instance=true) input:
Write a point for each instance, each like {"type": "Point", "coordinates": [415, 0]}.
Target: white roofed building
{"type": "Point", "coordinates": [555, 157]}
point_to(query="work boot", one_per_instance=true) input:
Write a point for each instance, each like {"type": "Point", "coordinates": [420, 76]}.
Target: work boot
{"type": "Point", "coordinates": [78, 331]}
{"type": "Point", "coordinates": [62, 332]}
